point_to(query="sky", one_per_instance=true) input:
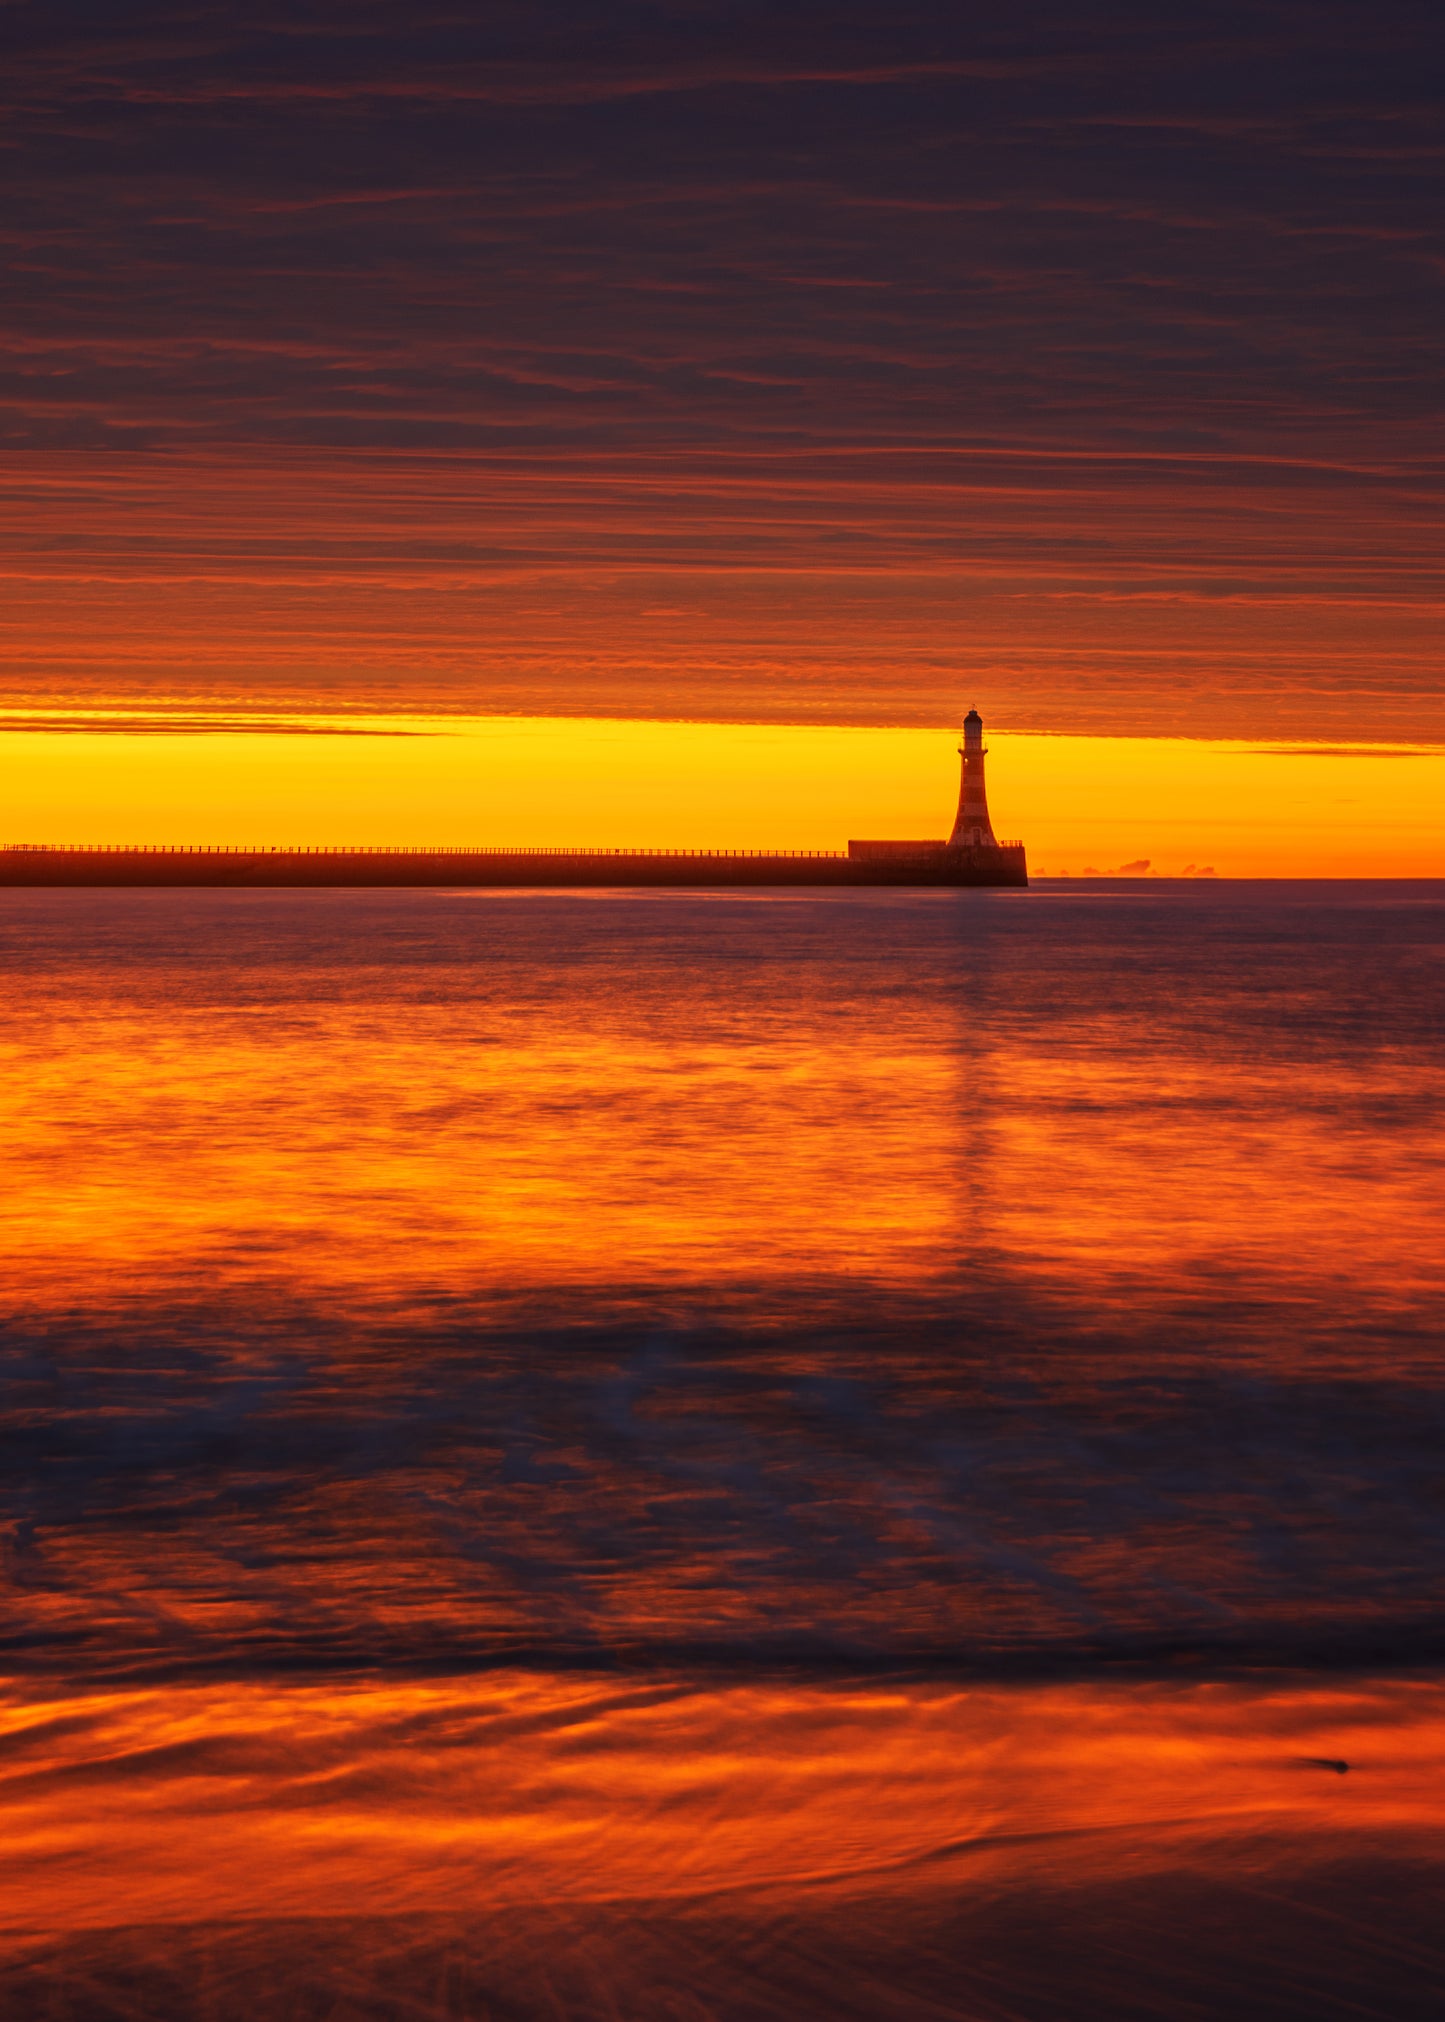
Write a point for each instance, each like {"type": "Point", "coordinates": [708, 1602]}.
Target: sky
{"type": "Point", "coordinates": [1166, 807]}
{"type": "Point", "coordinates": [793, 364]}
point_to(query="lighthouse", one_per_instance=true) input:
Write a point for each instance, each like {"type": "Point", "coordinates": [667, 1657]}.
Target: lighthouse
{"type": "Point", "coordinates": [972, 826]}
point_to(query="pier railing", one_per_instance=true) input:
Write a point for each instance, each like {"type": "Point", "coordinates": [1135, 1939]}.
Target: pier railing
{"type": "Point", "coordinates": [375, 850]}
{"type": "Point", "coordinates": [400, 850]}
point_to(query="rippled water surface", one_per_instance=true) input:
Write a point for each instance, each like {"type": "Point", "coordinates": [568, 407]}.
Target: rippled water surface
{"type": "Point", "coordinates": [647, 1455]}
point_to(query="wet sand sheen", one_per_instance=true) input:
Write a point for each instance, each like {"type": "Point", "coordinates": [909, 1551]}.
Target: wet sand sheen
{"type": "Point", "coordinates": [190, 1804]}
{"type": "Point", "coordinates": [517, 1845]}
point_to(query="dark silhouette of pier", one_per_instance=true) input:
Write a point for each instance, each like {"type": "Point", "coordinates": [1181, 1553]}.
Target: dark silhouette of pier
{"type": "Point", "coordinates": [118, 864]}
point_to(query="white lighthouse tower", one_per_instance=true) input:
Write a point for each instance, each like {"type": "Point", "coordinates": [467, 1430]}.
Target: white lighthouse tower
{"type": "Point", "coordinates": [972, 827]}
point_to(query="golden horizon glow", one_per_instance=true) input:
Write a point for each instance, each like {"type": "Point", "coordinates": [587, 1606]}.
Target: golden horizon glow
{"type": "Point", "coordinates": [1081, 804]}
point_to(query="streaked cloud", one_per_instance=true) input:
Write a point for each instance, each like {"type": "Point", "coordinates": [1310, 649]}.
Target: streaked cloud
{"type": "Point", "coordinates": [113, 724]}
{"type": "Point", "coordinates": [1022, 351]}
{"type": "Point", "coordinates": [1342, 751]}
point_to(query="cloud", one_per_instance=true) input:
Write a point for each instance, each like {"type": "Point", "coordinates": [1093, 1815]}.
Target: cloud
{"type": "Point", "coordinates": [1104, 313]}
{"type": "Point", "coordinates": [112, 724]}
{"type": "Point", "coordinates": [1341, 751]}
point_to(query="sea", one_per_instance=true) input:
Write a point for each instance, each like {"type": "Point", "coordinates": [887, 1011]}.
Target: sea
{"type": "Point", "coordinates": [788, 1456]}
